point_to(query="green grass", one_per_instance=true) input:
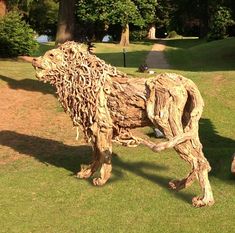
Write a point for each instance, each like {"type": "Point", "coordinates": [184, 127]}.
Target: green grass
{"type": "Point", "coordinates": [40, 193]}
{"type": "Point", "coordinates": [113, 54]}
{"type": "Point", "coordinates": [135, 53]}
{"type": "Point", "coordinates": [197, 55]}
{"type": "Point", "coordinates": [43, 47]}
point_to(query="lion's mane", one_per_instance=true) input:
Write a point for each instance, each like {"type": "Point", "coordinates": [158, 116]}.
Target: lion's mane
{"type": "Point", "coordinates": [84, 75]}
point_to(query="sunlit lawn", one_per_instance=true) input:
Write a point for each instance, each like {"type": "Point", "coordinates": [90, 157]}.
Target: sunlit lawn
{"type": "Point", "coordinates": [41, 194]}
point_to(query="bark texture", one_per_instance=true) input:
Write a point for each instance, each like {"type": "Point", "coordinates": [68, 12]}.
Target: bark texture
{"type": "Point", "coordinates": [125, 36]}
{"type": "Point", "coordinates": [66, 21]}
{"type": "Point", "coordinates": [107, 105]}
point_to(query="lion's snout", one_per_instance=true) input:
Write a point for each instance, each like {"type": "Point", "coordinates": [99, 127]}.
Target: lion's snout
{"type": "Point", "coordinates": [36, 63]}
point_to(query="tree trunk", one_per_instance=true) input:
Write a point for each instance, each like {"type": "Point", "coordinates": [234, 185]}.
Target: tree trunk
{"type": "Point", "coordinates": [203, 18]}
{"type": "Point", "coordinates": [3, 8]}
{"type": "Point", "coordinates": [66, 21]}
{"type": "Point", "coordinates": [152, 32]}
{"type": "Point", "coordinates": [125, 36]}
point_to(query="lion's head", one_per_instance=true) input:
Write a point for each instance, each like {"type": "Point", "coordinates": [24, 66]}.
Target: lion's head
{"type": "Point", "coordinates": [57, 63]}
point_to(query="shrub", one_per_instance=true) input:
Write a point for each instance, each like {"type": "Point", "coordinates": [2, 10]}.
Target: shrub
{"type": "Point", "coordinates": [220, 21]}
{"type": "Point", "coordinates": [173, 34]}
{"type": "Point", "coordinates": [138, 35]}
{"type": "Point", "coordinates": [16, 36]}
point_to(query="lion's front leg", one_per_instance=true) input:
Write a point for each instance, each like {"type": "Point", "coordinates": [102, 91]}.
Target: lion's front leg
{"type": "Point", "coordinates": [104, 150]}
{"type": "Point", "coordinates": [105, 174]}
{"type": "Point", "coordinates": [88, 170]}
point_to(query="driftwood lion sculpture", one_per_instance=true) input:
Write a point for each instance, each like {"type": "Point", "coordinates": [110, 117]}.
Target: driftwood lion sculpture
{"type": "Point", "coordinates": [106, 104]}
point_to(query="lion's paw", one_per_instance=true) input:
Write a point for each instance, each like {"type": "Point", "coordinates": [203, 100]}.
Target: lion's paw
{"type": "Point", "coordinates": [176, 185]}
{"type": "Point", "coordinates": [200, 201]}
{"type": "Point", "coordinates": [84, 174]}
{"type": "Point", "coordinates": [98, 181]}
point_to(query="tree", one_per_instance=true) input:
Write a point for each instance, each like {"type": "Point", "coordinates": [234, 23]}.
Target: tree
{"type": "Point", "coordinates": [189, 17]}
{"type": "Point", "coordinates": [165, 11]}
{"type": "Point", "coordinates": [43, 16]}
{"type": "Point", "coordinates": [219, 23]}
{"type": "Point", "coordinates": [3, 8]}
{"type": "Point", "coordinates": [140, 13]}
{"type": "Point", "coordinates": [124, 12]}
{"type": "Point", "coordinates": [16, 36]}
{"type": "Point", "coordinates": [66, 21]}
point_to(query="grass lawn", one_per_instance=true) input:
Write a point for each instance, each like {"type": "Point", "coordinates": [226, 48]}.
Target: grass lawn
{"type": "Point", "coordinates": [38, 158]}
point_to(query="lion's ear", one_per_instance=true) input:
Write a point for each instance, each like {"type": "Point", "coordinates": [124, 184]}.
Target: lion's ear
{"type": "Point", "coordinates": [72, 50]}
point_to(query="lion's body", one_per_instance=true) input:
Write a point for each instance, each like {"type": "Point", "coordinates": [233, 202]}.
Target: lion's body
{"type": "Point", "coordinates": [107, 104]}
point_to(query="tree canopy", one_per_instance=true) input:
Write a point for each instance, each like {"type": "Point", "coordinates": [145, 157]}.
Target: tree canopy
{"type": "Point", "coordinates": [213, 19]}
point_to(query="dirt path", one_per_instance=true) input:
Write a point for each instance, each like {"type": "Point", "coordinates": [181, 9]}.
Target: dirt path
{"type": "Point", "coordinates": [156, 57]}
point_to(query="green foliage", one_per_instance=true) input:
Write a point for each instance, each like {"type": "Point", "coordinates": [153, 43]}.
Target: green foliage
{"type": "Point", "coordinates": [16, 37]}
{"type": "Point", "coordinates": [219, 23]}
{"type": "Point", "coordinates": [121, 12]}
{"type": "Point", "coordinates": [21, 5]}
{"type": "Point", "coordinates": [164, 12]}
{"type": "Point", "coordinates": [43, 16]}
{"type": "Point", "coordinates": [138, 35]}
{"type": "Point", "coordinates": [173, 34]}
{"type": "Point", "coordinates": [126, 12]}
{"type": "Point", "coordinates": [191, 17]}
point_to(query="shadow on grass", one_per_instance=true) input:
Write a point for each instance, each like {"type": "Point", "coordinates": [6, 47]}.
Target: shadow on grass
{"type": "Point", "coordinates": [139, 169]}
{"type": "Point", "coordinates": [183, 43]}
{"type": "Point", "coordinates": [47, 151]}
{"type": "Point", "coordinates": [218, 150]}
{"type": "Point", "coordinates": [28, 85]}
{"type": "Point", "coordinates": [58, 154]}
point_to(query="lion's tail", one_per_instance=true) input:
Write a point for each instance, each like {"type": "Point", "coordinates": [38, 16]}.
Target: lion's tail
{"type": "Point", "coordinates": [193, 107]}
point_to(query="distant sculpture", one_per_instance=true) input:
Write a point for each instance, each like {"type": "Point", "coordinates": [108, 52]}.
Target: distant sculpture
{"type": "Point", "coordinates": [106, 104]}
{"type": "Point", "coordinates": [152, 33]}
{"type": "Point", "coordinates": [233, 165]}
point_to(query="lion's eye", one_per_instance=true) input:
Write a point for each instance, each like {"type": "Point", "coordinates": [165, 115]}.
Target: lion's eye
{"type": "Point", "coordinates": [51, 55]}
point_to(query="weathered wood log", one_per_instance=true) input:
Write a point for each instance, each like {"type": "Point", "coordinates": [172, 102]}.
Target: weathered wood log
{"type": "Point", "coordinates": [106, 104]}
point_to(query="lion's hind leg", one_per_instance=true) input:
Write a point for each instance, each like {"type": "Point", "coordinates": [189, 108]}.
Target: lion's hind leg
{"type": "Point", "coordinates": [165, 107]}
{"type": "Point", "coordinates": [191, 152]}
